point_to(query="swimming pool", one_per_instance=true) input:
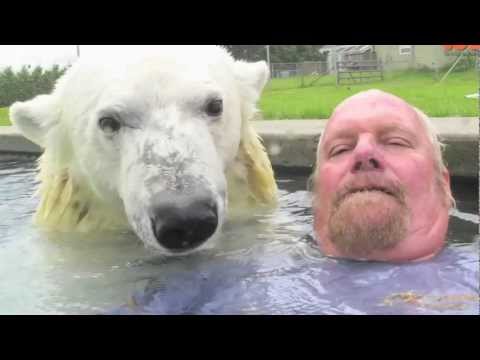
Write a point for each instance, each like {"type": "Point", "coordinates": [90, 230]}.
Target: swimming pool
{"type": "Point", "coordinates": [265, 265]}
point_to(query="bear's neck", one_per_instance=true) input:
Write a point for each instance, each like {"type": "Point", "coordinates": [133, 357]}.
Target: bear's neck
{"type": "Point", "coordinates": [68, 205]}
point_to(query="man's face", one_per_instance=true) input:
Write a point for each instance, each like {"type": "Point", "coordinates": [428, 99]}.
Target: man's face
{"type": "Point", "coordinates": [378, 192]}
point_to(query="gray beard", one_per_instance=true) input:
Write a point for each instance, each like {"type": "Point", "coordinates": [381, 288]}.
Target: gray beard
{"type": "Point", "coordinates": [356, 232]}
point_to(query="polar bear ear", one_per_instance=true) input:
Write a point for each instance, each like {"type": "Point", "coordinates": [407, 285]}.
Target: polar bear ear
{"type": "Point", "coordinates": [253, 75]}
{"type": "Point", "coordinates": [35, 117]}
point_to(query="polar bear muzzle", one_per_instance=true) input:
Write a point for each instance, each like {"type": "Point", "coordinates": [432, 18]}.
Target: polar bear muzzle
{"type": "Point", "coordinates": [183, 222]}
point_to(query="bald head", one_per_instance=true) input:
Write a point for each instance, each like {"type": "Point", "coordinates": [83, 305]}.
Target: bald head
{"type": "Point", "coordinates": [366, 103]}
{"type": "Point", "coordinates": [371, 100]}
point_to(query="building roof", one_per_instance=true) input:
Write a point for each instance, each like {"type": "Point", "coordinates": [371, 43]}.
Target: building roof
{"type": "Point", "coordinates": [346, 49]}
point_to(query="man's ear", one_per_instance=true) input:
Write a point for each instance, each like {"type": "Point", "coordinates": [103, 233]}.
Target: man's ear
{"type": "Point", "coordinates": [35, 117]}
{"type": "Point", "coordinates": [447, 188]}
{"type": "Point", "coordinates": [254, 76]}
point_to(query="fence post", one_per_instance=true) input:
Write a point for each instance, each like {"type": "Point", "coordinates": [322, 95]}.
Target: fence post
{"type": "Point", "coordinates": [337, 73]}
{"type": "Point", "coordinates": [302, 72]}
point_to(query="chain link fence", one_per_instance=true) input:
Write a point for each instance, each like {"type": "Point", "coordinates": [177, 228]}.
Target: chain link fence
{"type": "Point", "coordinates": [306, 72]}
{"type": "Point", "coordinates": [306, 68]}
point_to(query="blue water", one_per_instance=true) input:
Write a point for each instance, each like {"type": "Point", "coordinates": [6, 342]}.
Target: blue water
{"type": "Point", "coordinates": [266, 265]}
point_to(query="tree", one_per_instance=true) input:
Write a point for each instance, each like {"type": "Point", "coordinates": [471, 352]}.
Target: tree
{"type": "Point", "coordinates": [37, 80]}
{"type": "Point", "coordinates": [25, 85]}
{"type": "Point", "coordinates": [248, 52]}
{"type": "Point", "coordinates": [7, 86]}
{"type": "Point", "coordinates": [295, 53]}
{"type": "Point", "coordinates": [278, 53]}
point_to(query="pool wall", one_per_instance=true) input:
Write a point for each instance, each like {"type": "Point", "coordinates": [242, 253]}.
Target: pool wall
{"type": "Point", "coordinates": [292, 144]}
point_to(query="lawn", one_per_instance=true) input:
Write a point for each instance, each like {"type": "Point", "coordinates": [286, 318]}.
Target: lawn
{"type": "Point", "coordinates": [285, 99]}
{"type": "Point", "coordinates": [4, 117]}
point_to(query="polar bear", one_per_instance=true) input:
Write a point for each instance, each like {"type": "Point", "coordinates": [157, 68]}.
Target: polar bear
{"type": "Point", "coordinates": [154, 139]}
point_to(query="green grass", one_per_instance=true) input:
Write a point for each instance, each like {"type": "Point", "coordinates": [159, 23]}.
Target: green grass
{"type": "Point", "coordinates": [285, 99]}
{"type": "Point", "coordinates": [4, 117]}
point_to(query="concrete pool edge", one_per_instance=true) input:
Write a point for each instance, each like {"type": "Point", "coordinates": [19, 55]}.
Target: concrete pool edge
{"type": "Point", "coordinates": [293, 143]}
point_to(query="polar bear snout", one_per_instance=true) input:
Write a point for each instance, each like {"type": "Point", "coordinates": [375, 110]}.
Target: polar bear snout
{"type": "Point", "coordinates": [183, 222]}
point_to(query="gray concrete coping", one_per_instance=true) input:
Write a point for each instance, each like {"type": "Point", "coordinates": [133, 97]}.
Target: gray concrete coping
{"type": "Point", "coordinates": [13, 142]}
{"type": "Point", "coordinates": [293, 143]}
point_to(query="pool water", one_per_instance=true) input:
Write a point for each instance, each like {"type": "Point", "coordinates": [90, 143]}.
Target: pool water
{"type": "Point", "coordinates": [268, 264]}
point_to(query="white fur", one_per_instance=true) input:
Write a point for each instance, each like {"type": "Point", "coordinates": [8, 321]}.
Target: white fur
{"type": "Point", "coordinates": [167, 140]}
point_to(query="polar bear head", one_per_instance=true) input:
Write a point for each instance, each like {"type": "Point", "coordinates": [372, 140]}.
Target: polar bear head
{"type": "Point", "coordinates": [154, 138]}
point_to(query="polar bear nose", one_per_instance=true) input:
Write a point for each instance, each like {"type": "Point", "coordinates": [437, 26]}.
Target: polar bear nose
{"type": "Point", "coordinates": [182, 223]}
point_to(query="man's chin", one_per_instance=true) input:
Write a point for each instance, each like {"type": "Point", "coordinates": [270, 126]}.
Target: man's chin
{"type": "Point", "coordinates": [367, 222]}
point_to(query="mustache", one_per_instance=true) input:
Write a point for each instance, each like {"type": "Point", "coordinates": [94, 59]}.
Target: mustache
{"type": "Point", "coordinates": [369, 182]}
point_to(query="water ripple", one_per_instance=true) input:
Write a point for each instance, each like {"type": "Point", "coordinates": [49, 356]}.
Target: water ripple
{"type": "Point", "coordinates": [266, 265]}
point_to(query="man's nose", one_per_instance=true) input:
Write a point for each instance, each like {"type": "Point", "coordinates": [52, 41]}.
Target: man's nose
{"type": "Point", "coordinates": [366, 156]}
{"type": "Point", "coordinates": [367, 164]}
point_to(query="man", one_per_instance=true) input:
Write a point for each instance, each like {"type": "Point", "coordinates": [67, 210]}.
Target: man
{"type": "Point", "coordinates": [382, 191]}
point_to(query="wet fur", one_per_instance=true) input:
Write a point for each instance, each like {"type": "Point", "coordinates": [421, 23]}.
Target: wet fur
{"type": "Point", "coordinates": [67, 204]}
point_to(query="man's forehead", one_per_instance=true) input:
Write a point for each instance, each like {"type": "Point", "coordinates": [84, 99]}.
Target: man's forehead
{"type": "Point", "coordinates": [373, 100]}
{"type": "Point", "coordinates": [370, 104]}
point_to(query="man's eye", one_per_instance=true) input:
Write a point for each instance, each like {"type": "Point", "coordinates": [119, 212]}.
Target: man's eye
{"type": "Point", "coordinates": [337, 150]}
{"type": "Point", "coordinates": [109, 124]}
{"type": "Point", "coordinates": [398, 142]}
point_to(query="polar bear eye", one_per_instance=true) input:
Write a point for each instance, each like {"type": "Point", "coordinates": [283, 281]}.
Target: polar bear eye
{"type": "Point", "coordinates": [214, 107]}
{"type": "Point", "coordinates": [109, 124]}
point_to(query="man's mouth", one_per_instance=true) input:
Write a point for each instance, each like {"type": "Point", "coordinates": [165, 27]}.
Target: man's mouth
{"type": "Point", "coordinates": [392, 190]}
{"type": "Point", "coordinates": [371, 188]}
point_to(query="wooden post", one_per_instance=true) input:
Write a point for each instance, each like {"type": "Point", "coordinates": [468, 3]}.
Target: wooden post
{"type": "Point", "coordinates": [337, 73]}
{"type": "Point", "coordinates": [302, 69]}
{"type": "Point", "coordinates": [268, 58]}
{"type": "Point", "coordinates": [412, 59]}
